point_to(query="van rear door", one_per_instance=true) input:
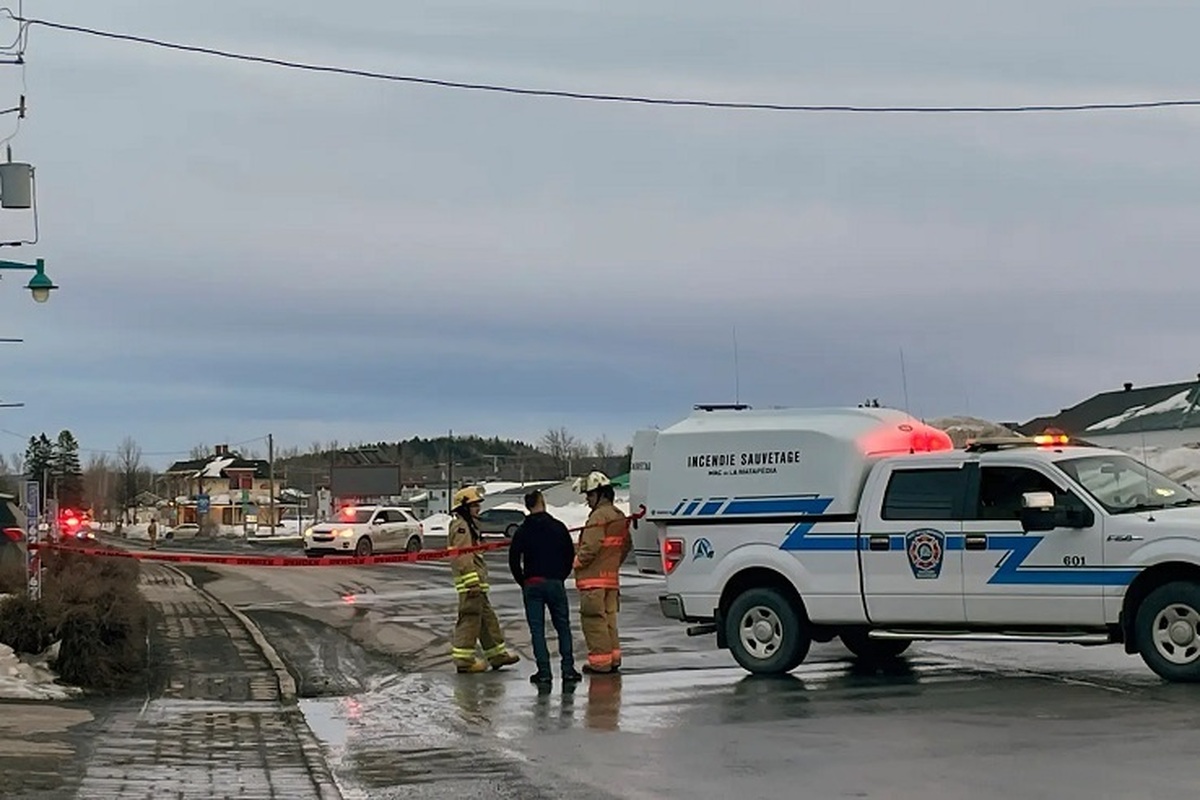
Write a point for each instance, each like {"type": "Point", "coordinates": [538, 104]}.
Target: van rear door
{"type": "Point", "coordinates": [645, 534]}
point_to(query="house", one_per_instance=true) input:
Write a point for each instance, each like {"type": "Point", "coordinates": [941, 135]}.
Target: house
{"type": "Point", "coordinates": [235, 487]}
{"type": "Point", "coordinates": [1163, 417]}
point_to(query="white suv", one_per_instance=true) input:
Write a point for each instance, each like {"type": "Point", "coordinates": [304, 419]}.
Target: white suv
{"type": "Point", "coordinates": [364, 530]}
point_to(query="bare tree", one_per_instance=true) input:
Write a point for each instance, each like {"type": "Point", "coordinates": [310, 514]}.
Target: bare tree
{"type": "Point", "coordinates": [129, 463]}
{"type": "Point", "coordinates": [603, 448]}
{"type": "Point", "coordinates": [561, 446]}
{"type": "Point", "coordinates": [199, 451]}
{"type": "Point", "coordinates": [98, 481]}
{"type": "Point", "coordinates": [579, 457]}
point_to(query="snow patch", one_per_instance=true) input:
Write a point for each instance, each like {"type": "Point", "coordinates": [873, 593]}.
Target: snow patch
{"type": "Point", "coordinates": [214, 468]}
{"type": "Point", "coordinates": [1177, 402]}
{"type": "Point", "coordinates": [500, 487]}
{"type": "Point", "coordinates": [1180, 464]}
{"type": "Point", "coordinates": [964, 429]}
{"type": "Point", "coordinates": [30, 677]}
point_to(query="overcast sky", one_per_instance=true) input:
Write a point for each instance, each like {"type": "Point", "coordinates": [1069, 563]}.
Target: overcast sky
{"type": "Point", "coordinates": [244, 249]}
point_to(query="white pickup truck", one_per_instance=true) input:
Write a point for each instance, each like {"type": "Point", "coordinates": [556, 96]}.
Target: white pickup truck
{"type": "Point", "coordinates": [779, 528]}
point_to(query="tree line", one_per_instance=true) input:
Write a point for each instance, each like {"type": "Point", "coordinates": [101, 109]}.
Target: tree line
{"type": "Point", "coordinates": [105, 483]}
{"type": "Point", "coordinates": [109, 482]}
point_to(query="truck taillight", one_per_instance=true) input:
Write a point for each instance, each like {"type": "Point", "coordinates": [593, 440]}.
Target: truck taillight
{"type": "Point", "coordinates": [672, 554]}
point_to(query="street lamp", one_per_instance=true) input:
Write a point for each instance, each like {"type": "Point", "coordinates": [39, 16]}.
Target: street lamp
{"type": "Point", "coordinates": [40, 284]}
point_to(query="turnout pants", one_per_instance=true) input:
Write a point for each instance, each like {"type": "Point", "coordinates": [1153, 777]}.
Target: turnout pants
{"type": "Point", "coordinates": [477, 623]}
{"type": "Point", "coordinates": [598, 610]}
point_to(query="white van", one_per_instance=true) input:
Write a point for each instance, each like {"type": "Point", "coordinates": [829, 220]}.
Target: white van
{"type": "Point", "coordinates": [783, 527]}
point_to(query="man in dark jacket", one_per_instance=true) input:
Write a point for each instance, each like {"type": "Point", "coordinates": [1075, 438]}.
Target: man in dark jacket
{"type": "Point", "coordinates": [541, 557]}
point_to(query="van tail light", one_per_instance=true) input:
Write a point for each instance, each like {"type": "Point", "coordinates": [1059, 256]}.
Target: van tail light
{"type": "Point", "coordinates": [672, 554]}
{"type": "Point", "coordinates": [14, 534]}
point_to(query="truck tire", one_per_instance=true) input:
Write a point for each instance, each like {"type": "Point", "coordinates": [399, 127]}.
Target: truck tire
{"type": "Point", "coordinates": [1167, 627]}
{"type": "Point", "coordinates": [765, 632]}
{"type": "Point", "coordinates": [873, 650]}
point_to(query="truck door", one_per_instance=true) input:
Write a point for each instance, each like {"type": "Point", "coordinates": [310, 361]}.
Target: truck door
{"type": "Point", "coordinates": [1035, 578]}
{"type": "Point", "coordinates": [911, 548]}
{"type": "Point", "coordinates": [645, 534]}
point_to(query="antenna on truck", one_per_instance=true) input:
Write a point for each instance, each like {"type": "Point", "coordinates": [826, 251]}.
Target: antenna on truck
{"type": "Point", "coordinates": [737, 374]}
{"type": "Point", "coordinates": [904, 382]}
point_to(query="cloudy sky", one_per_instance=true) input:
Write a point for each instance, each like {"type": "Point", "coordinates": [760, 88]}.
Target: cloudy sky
{"type": "Point", "coordinates": [244, 249]}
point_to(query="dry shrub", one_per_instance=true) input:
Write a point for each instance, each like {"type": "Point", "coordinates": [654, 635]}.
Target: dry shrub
{"type": "Point", "coordinates": [93, 606]}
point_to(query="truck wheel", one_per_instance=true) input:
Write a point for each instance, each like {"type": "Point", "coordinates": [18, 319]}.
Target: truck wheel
{"type": "Point", "coordinates": [765, 632]}
{"type": "Point", "coordinates": [1167, 627]}
{"type": "Point", "coordinates": [874, 650]}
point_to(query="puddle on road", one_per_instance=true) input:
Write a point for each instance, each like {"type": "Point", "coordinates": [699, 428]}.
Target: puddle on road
{"type": "Point", "coordinates": [327, 719]}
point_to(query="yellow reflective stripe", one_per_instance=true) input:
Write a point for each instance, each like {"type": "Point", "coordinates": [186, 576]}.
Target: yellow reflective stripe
{"type": "Point", "coordinates": [498, 650]}
{"type": "Point", "coordinates": [462, 652]}
{"type": "Point", "coordinates": [467, 579]}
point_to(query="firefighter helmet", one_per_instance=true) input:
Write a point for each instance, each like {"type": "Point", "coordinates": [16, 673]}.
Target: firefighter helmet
{"type": "Point", "coordinates": [591, 482]}
{"type": "Point", "coordinates": [468, 495]}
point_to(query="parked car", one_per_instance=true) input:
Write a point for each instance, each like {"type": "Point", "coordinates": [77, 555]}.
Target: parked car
{"type": "Point", "coordinates": [12, 531]}
{"type": "Point", "coordinates": [501, 521]}
{"type": "Point", "coordinates": [363, 530]}
{"type": "Point", "coordinates": [188, 530]}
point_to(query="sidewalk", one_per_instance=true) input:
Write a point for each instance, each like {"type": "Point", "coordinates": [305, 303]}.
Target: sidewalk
{"type": "Point", "coordinates": [225, 724]}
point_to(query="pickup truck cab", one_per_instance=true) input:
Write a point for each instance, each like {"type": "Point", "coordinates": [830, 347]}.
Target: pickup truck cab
{"type": "Point", "coordinates": [779, 528]}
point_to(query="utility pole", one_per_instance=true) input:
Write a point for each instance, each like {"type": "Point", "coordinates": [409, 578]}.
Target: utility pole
{"type": "Point", "coordinates": [271, 479]}
{"type": "Point", "coordinates": [450, 473]}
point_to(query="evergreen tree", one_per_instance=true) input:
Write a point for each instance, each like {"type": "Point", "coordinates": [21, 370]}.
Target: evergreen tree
{"type": "Point", "coordinates": [68, 471]}
{"type": "Point", "coordinates": [39, 459]}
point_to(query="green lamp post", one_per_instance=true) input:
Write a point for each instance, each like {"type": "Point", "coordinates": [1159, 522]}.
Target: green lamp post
{"type": "Point", "coordinates": [40, 284]}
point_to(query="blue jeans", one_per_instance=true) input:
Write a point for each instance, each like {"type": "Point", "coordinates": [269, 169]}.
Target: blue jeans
{"type": "Point", "coordinates": [552, 595]}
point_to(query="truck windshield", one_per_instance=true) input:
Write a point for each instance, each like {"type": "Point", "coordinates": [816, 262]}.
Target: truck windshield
{"type": "Point", "coordinates": [1123, 484]}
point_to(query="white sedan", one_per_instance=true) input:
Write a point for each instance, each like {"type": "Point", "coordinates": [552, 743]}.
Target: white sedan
{"type": "Point", "coordinates": [364, 530]}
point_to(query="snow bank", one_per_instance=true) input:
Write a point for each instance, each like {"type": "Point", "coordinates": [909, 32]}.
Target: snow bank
{"type": "Point", "coordinates": [964, 429]}
{"type": "Point", "coordinates": [30, 678]}
{"type": "Point", "coordinates": [499, 487]}
{"type": "Point", "coordinates": [1181, 464]}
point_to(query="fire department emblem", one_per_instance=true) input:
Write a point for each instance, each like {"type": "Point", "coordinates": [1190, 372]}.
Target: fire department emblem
{"type": "Point", "coordinates": [926, 548]}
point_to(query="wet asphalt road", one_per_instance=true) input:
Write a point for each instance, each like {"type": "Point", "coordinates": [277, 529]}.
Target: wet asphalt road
{"type": "Point", "coordinates": [951, 721]}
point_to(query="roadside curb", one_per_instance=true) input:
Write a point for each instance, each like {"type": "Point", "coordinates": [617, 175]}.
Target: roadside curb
{"type": "Point", "coordinates": [287, 684]}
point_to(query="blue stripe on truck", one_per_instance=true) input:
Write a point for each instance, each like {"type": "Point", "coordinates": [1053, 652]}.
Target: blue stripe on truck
{"type": "Point", "coordinates": [1009, 571]}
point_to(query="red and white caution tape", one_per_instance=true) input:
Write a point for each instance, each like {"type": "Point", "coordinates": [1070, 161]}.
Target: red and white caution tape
{"type": "Point", "coordinates": [229, 559]}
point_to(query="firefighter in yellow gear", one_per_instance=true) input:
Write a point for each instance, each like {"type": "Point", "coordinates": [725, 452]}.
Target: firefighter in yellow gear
{"type": "Point", "coordinates": [604, 545]}
{"type": "Point", "coordinates": [476, 620]}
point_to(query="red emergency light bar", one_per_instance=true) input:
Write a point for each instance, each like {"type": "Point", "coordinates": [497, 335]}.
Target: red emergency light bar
{"type": "Point", "coordinates": [908, 437]}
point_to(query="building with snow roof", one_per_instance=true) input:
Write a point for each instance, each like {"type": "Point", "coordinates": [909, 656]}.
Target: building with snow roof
{"type": "Point", "coordinates": [1162, 417]}
{"type": "Point", "coordinates": [235, 486]}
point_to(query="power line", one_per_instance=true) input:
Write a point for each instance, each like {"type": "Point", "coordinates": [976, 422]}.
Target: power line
{"type": "Point", "coordinates": [94, 451]}
{"type": "Point", "coordinates": [602, 97]}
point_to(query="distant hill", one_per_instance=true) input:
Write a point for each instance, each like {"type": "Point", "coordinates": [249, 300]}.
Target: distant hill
{"type": "Point", "coordinates": [424, 461]}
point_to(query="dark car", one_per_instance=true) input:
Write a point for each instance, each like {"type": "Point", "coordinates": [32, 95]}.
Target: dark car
{"type": "Point", "coordinates": [12, 531]}
{"type": "Point", "coordinates": [501, 521]}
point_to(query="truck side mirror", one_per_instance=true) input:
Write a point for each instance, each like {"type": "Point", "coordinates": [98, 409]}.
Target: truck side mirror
{"type": "Point", "coordinates": [1037, 511]}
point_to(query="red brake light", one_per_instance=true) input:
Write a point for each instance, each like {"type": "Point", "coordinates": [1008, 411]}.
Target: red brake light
{"type": "Point", "coordinates": [14, 534]}
{"type": "Point", "coordinates": [672, 554]}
